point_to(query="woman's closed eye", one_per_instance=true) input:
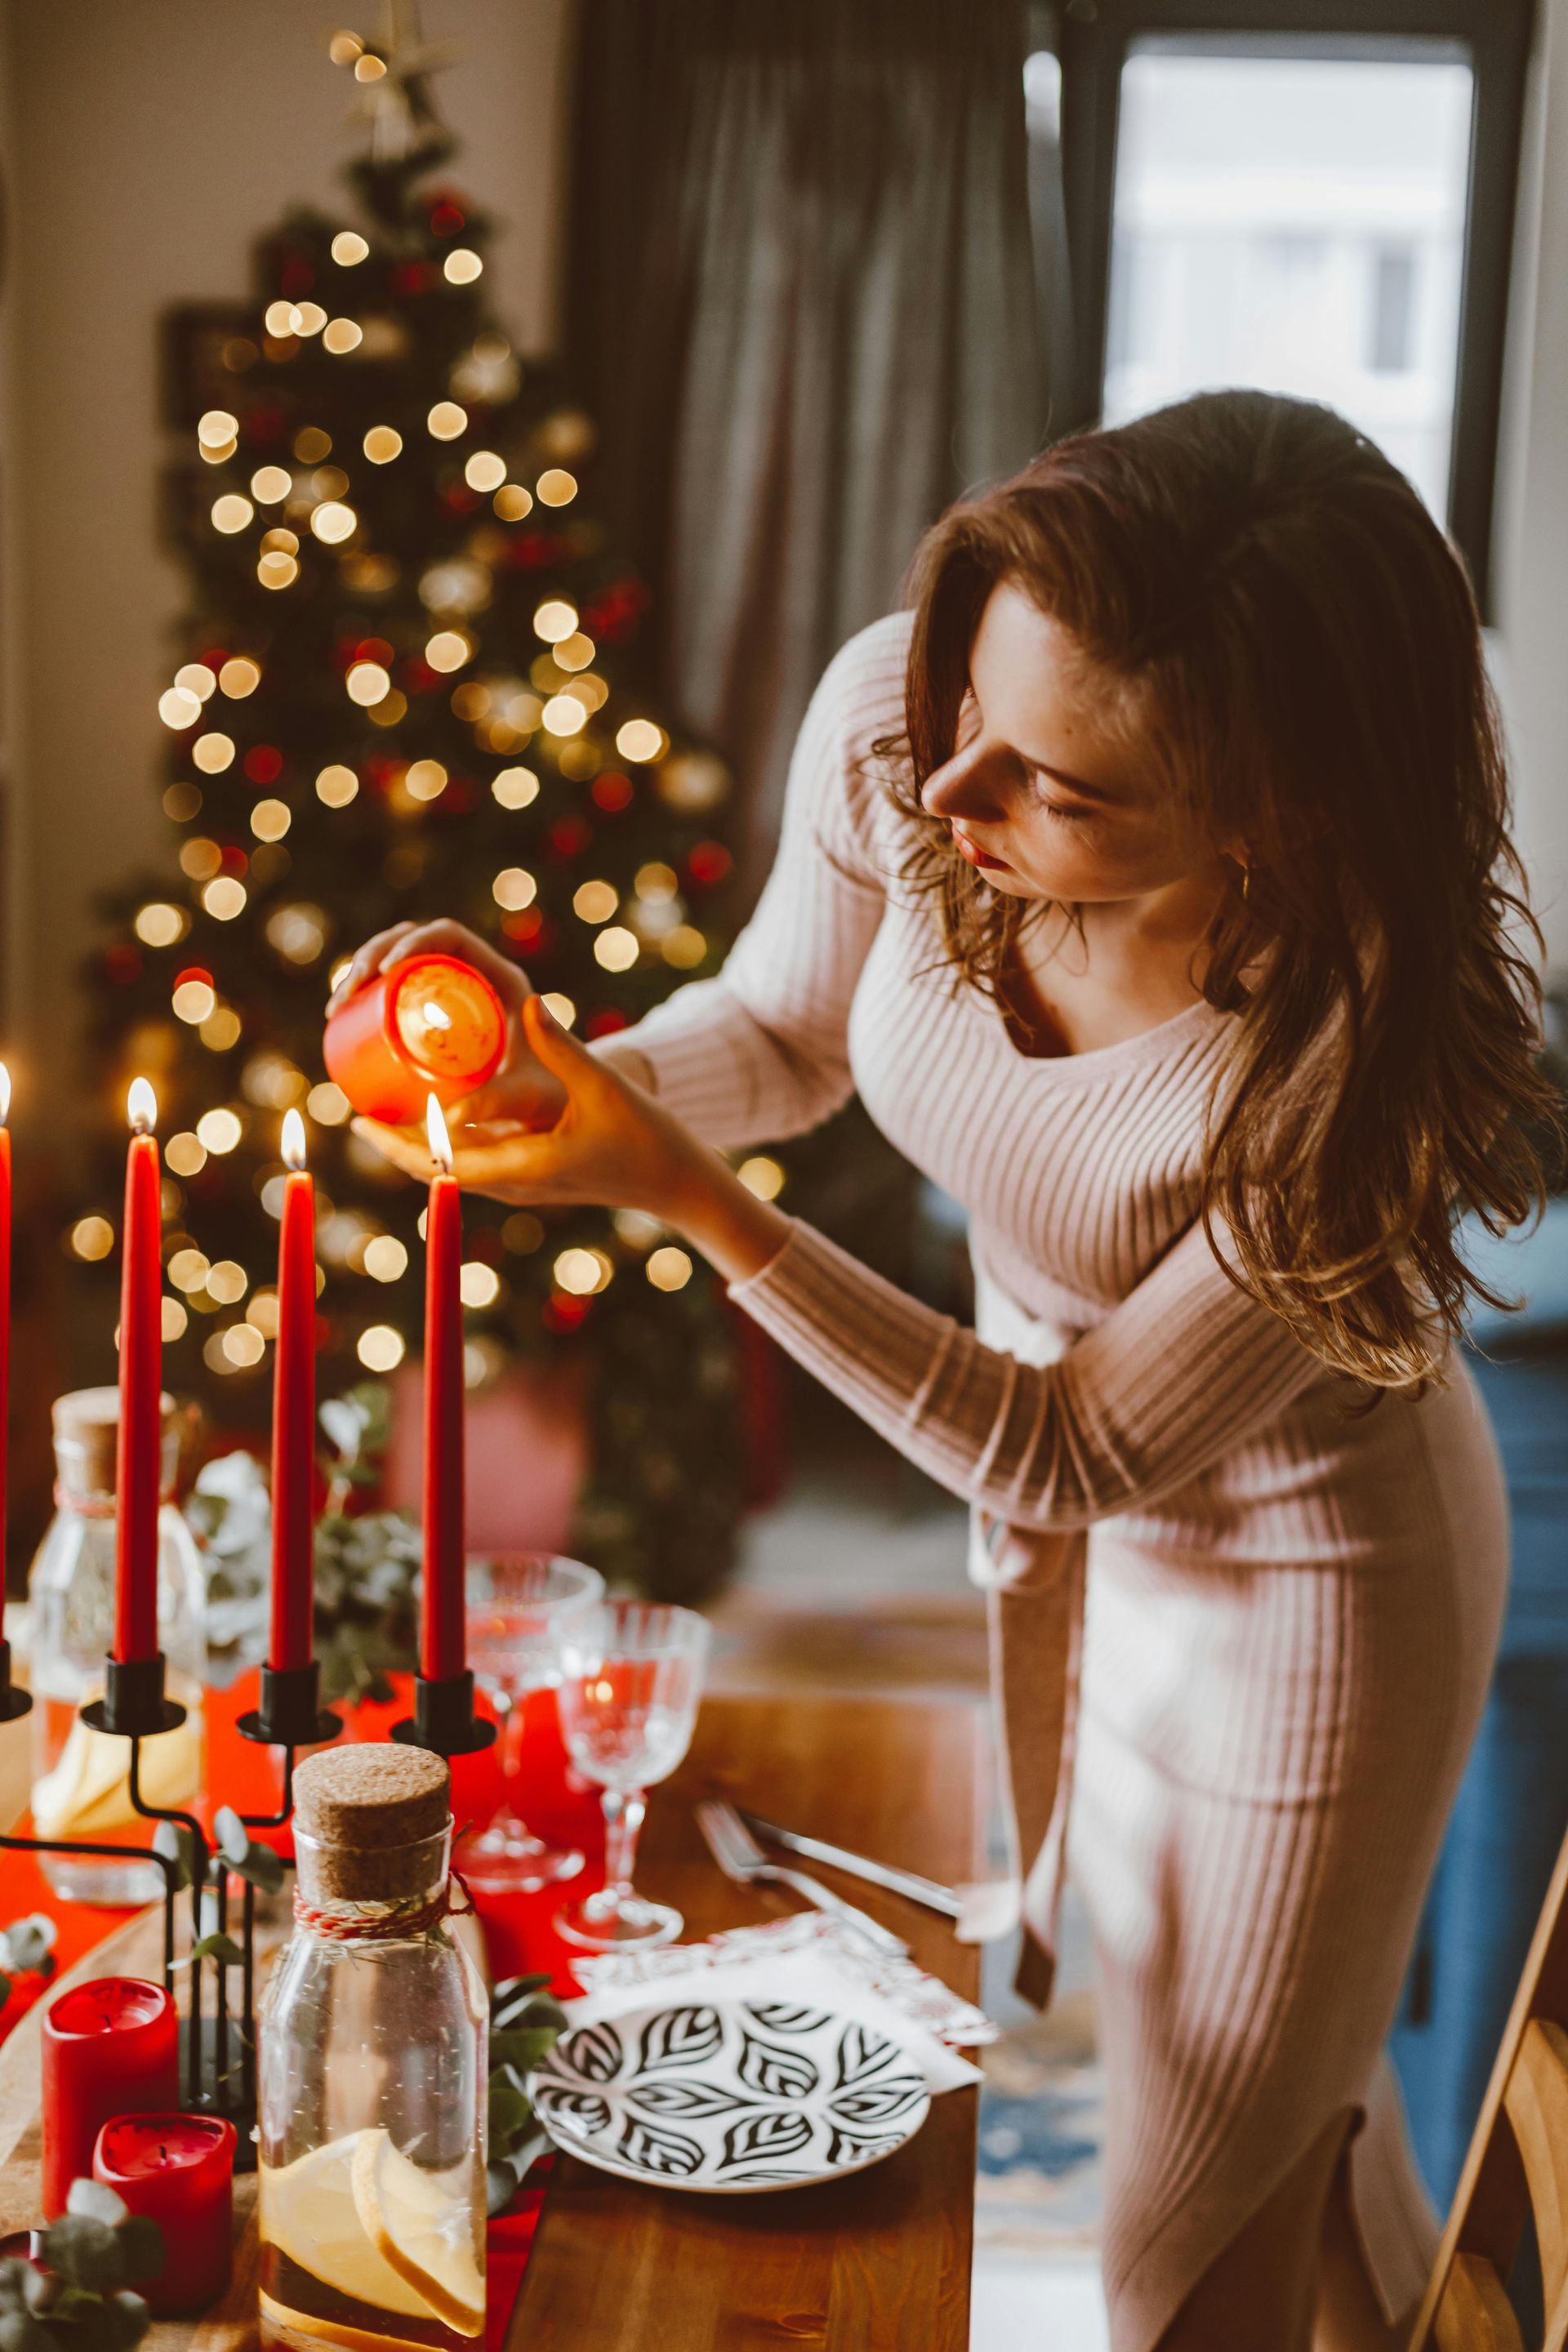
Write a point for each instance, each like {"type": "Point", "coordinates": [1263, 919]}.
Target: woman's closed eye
{"type": "Point", "coordinates": [1068, 812]}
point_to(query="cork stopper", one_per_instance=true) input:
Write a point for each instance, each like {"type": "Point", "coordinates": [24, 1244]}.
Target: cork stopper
{"type": "Point", "coordinates": [86, 1424]}
{"type": "Point", "coordinates": [372, 1822]}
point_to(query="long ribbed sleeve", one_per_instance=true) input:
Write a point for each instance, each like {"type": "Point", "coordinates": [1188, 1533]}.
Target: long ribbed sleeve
{"type": "Point", "coordinates": [760, 1052]}
{"type": "Point", "coordinates": [1185, 1368]}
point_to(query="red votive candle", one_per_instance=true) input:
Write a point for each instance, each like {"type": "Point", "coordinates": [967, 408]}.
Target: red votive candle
{"type": "Point", "coordinates": [110, 2048]}
{"type": "Point", "coordinates": [430, 1026]}
{"type": "Point", "coordinates": [179, 2171]}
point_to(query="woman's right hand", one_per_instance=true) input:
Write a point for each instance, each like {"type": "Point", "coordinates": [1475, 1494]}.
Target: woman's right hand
{"type": "Point", "coordinates": [523, 1091]}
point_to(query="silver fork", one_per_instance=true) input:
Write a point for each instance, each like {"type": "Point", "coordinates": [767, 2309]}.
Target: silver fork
{"type": "Point", "coordinates": [740, 1857]}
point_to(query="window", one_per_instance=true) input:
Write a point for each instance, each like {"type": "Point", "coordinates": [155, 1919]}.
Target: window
{"type": "Point", "coordinates": [1314, 197]}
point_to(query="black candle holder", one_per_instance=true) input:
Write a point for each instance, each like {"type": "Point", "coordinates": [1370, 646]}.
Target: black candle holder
{"type": "Point", "coordinates": [214, 2078]}
{"type": "Point", "coordinates": [443, 1718]}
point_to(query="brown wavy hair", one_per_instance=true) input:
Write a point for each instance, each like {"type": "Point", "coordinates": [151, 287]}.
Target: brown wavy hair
{"type": "Point", "coordinates": [1297, 649]}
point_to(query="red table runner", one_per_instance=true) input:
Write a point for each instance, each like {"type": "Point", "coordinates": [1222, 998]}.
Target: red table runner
{"type": "Point", "coordinates": [519, 1933]}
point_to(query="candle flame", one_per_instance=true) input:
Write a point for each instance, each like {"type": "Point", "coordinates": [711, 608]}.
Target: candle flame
{"type": "Point", "coordinates": [141, 1107]}
{"type": "Point", "coordinates": [440, 1141]}
{"type": "Point", "coordinates": [294, 1140]}
{"type": "Point", "coordinates": [436, 1015]}
{"type": "Point", "coordinates": [5, 1094]}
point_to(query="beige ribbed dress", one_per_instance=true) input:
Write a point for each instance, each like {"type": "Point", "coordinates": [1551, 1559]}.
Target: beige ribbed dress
{"type": "Point", "coordinates": [1291, 1613]}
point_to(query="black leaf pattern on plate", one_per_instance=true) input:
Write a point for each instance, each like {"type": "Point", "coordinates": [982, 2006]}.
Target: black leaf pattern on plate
{"type": "Point", "coordinates": [861, 2053]}
{"type": "Point", "coordinates": [784, 2017]}
{"type": "Point", "coordinates": [593, 2052]}
{"type": "Point", "coordinates": [684, 2099]}
{"type": "Point", "coordinates": [764, 2178]}
{"type": "Point", "coordinates": [774, 2132]}
{"type": "Point", "coordinates": [582, 2110]}
{"type": "Point", "coordinates": [844, 2149]}
{"type": "Point", "coordinates": [880, 2103]}
{"type": "Point", "coordinates": [681, 2037]}
{"type": "Point", "coordinates": [777, 2074]}
{"type": "Point", "coordinates": [647, 2149]}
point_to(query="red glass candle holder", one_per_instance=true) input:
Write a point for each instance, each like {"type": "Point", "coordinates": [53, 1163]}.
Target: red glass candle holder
{"type": "Point", "coordinates": [110, 2048]}
{"type": "Point", "coordinates": [179, 2171]}
{"type": "Point", "coordinates": [430, 1026]}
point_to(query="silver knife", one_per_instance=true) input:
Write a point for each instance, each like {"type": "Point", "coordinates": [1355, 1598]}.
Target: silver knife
{"type": "Point", "coordinates": [934, 1897]}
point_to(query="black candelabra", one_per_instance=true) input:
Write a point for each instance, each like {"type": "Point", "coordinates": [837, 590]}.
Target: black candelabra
{"type": "Point", "coordinates": [217, 2045]}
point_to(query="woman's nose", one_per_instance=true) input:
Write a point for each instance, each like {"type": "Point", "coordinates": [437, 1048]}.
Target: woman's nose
{"type": "Point", "coordinates": [967, 785]}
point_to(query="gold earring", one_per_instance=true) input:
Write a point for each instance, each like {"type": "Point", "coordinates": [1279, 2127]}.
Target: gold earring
{"type": "Point", "coordinates": [1245, 877]}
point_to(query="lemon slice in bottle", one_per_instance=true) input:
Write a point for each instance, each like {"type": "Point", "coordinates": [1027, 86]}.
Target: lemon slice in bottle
{"type": "Point", "coordinates": [421, 2224]}
{"type": "Point", "coordinates": [310, 2212]}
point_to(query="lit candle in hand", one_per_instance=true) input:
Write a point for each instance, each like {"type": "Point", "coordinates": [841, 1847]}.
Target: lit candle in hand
{"type": "Point", "coordinates": [294, 1413]}
{"type": "Point", "coordinates": [138, 1475]}
{"type": "Point", "coordinates": [441, 1613]}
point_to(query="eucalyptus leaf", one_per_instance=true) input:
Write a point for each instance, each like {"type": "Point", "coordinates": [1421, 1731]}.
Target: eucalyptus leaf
{"type": "Point", "coordinates": [97, 2201]}
{"type": "Point", "coordinates": [502, 2183]}
{"type": "Point", "coordinates": [42, 2292]}
{"type": "Point", "coordinates": [174, 1843]}
{"type": "Point", "coordinates": [4, 1989]}
{"type": "Point", "coordinates": [85, 2250]}
{"type": "Point", "coordinates": [233, 1837]}
{"type": "Point", "coordinates": [510, 2111]}
{"type": "Point", "coordinates": [20, 2332]}
{"type": "Point", "coordinates": [142, 2244]}
{"type": "Point", "coordinates": [218, 1947]}
{"type": "Point", "coordinates": [523, 2047]}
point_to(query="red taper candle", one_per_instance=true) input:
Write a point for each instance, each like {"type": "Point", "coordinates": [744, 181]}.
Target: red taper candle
{"type": "Point", "coordinates": [294, 1414]}
{"type": "Point", "coordinates": [441, 1613]}
{"type": "Point", "coordinates": [139, 1452]}
{"type": "Point", "coordinates": [4, 1293]}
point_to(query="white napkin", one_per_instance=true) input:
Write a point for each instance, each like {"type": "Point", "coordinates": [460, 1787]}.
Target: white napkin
{"type": "Point", "coordinates": [808, 1959]}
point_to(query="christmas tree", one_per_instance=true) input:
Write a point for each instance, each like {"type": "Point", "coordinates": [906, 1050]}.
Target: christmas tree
{"type": "Point", "coordinates": [409, 686]}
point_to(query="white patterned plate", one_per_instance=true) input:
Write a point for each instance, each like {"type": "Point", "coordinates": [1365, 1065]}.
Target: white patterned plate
{"type": "Point", "coordinates": [732, 2097]}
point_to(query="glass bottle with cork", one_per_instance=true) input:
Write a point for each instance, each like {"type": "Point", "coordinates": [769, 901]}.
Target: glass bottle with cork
{"type": "Point", "coordinates": [372, 2072]}
{"type": "Point", "coordinates": [82, 1786]}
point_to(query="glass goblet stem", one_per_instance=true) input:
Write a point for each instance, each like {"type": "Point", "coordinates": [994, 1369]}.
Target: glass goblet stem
{"type": "Point", "coordinates": [625, 1813]}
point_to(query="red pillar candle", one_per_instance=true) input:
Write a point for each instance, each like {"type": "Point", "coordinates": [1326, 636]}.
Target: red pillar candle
{"type": "Point", "coordinates": [294, 1413]}
{"type": "Point", "coordinates": [5, 1291]}
{"type": "Point", "coordinates": [179, 2171]}
{"type": "Point", "coordinates": [430, 1025]}
{"type": "Point", "coordinates": [140, 1445]}
{"type": "Point", "coordinates": [441, 1614]}
{"type": "Point", "coordinates": [110, 2048]}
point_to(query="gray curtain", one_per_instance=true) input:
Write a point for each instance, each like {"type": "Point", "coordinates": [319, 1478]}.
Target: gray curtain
{"type": "Point", "coordinates": [805, 308]}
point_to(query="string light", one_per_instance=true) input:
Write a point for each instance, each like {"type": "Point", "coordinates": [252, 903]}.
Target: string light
{"type": "Point", "coordinates": [227, 1282]}
{"type": "Point", "coordinates": [382, 445]}
{"type": "Point", "coordinates": [276, 569]}
{"type": "Point", "coordinates": [216, 427]}
{"type": "Point", "coordinates": [595, 902]}
{"type": "Point", "coordinates": [575, 652]}
{"type": "Point", "coordinates": [656, 883]}
{"type": "Point", "coordinates": [92, 1238]}
{"type": "Point", "coordinates": [668, 1268]}
{"type": "Point", "coordinates": [311, 445]}
{"type": "Point", "coordinates": [617, 949]}
{"type": "Point", "coordinates": [270, 484]}
{"type": "Point", "coordinates": [333, 522]}
{"type": "Point", "coordinates": [478, 1285]}
{"type": "Point", "coordinates": [271, 820]}
{"type": "Point", "coordinates": [262, 1315]}
{"type": "Point", "coordinates": [159, 925]}
{"type": "Point", "coordinates": [513, 888]}
{"type": "Point", "coordinates": [511, 502]}
{"type": "Point", "coordinates": [367, 683]}
{"type": "Point", "coordinates": [426, 780]}
{"type": "Point", "coordinates": [239, 677]}
{"type": "Point", "coordinates": [188, 1270]}
{"type": "Point", "coordinates": [337, 786]}
{"type": "Point", "coordinates": [178, 707]}
{"type": "Point", "coordinates": [348, 248]}
{"type": "Point", "coordinates": [762, 1176]}
{"type": "Point", "coordinates": [564, 715]}
{"type": "Point", "coordinates": [220, 1030]}
{"type": "Point", "coordinates": [220, 455]}
{"type": "Point", "coordinates": [447, 420]}
{"type": "Point", "coordinates": [309, 318]}
{"type": "Point", "coordinates": [683, 947]}
{"type": "Point", "coordinates": [556, 486]}
{"type": "Point", "coordinates": [172, 1320]}
{"type": "Point", "coordinates": [220, 1130]}
{"type": "Point", "coordinates": [392, 708]}
{"type": "Point", "coordinates": [385, 1258]}
{"type": "Point", "coordinates": [341, 335]}
{"type": "Point", "coordinates": [639, 740]}
{"type": "Point", "coordinates": [278, 320]}
{"type": "Point", "coordinates": [231, 512]}
{"type": "Point", "coordinates": [192, 1000]}
{"type": "Point", "coordinates": [200, 858]}
{"type": "Point", "coordinates": [244, 1345]}
{"type": "Point", "coordinates": [560, 1008]}
{"type": "Point", "coordinates": [213, 752]}
{"type": "Point", "coordinates": [185, 1153]}
{"type": "Point", "coordinates": [516, 788]}
{"type": "Point", "coordinates": [197, 680]}
{"type": "Point", "coordinates": [380, 1348]}
{"type": "Point", "coordinates": [299, 932]}
{"type": "Point", "coordinates": [462, 266]}
{"type": "Point", "coordinates": [555, 620]}
{"type": "Point", "coordinates": [447, 650]}
{"type": "Point", "coordinates": [582, 1272]}
{"type": "Point", "coordinates": [328, 1104]}
{"type": "Point", "coordinates": [484, 470]}
{"type": "Point", "coordinates": [181, 801]}
{"type": "Point", "coordinates": [225, 899]}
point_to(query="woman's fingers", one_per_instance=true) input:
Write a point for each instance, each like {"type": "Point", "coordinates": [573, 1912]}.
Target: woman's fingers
{"type": "Point", "coordinates": [515, 1163]}
{"type": "Point", "coordinates": [366, 963]}
{"type": "Point", "coordinates": [443, 936]}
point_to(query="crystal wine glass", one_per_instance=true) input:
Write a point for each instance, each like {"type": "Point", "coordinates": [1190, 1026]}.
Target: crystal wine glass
{"type": "Point", "coordinates": [514, 1610]}
{"type": "Point", "coordinates": [631, 1676]}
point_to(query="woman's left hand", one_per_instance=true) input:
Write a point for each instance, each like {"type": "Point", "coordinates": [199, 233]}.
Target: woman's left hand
{"type": "Point", "coordinates": [612, 1146]}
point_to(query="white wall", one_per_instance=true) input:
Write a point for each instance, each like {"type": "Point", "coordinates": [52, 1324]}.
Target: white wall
{"type": "Point", "coordinates": [1530, 649]}
{"type": "Point", "coordinates": [149, 144]}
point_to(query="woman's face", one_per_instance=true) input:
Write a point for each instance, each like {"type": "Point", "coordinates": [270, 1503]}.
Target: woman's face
{"type": "Point", "coordinates": [1045, 793]}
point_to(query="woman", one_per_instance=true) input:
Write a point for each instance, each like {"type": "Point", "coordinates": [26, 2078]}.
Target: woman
{"type": "Point", "coordinates": [1151, 883]}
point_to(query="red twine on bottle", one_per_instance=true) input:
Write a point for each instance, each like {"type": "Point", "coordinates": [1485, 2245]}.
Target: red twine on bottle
{"type": "Point", "coordinates": [384, 1926]}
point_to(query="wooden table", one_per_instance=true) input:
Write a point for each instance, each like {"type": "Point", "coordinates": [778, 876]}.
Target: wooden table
{"type": "Point", "coordinates": [882, 2259]}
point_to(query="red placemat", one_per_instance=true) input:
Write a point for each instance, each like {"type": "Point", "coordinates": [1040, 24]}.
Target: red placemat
{"type": "Point", "coordinates": [519, 1932]}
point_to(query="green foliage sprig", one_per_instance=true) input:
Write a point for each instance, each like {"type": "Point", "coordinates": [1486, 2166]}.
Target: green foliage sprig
{"type": "Point", "coordinates": [84, 2300]}
{"type": "Point", "coordinates": [525, 2021]}
{"type": "Point", "coordinates": [27, 1947]}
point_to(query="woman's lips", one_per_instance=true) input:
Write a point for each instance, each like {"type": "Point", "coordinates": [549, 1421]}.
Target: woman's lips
{"type": "Point", "coordinates": [978, 856]}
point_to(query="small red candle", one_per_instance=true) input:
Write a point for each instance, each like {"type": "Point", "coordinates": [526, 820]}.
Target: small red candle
{"type": "Point", "coordinates": [140, 1444]}
{"type": "Point", "coordinates": [110, 2048]}
{"type": "Point", "coordinates": [441, 1614]}
{"type": "Point", "coordinates": [294, 1413]}
{"type": "Point", "coordinates": [433, 1025]}
{"type": "Point", "coordinates": [179, 2171]}
{"type": "Point", "coordinates": [4, 1288]}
